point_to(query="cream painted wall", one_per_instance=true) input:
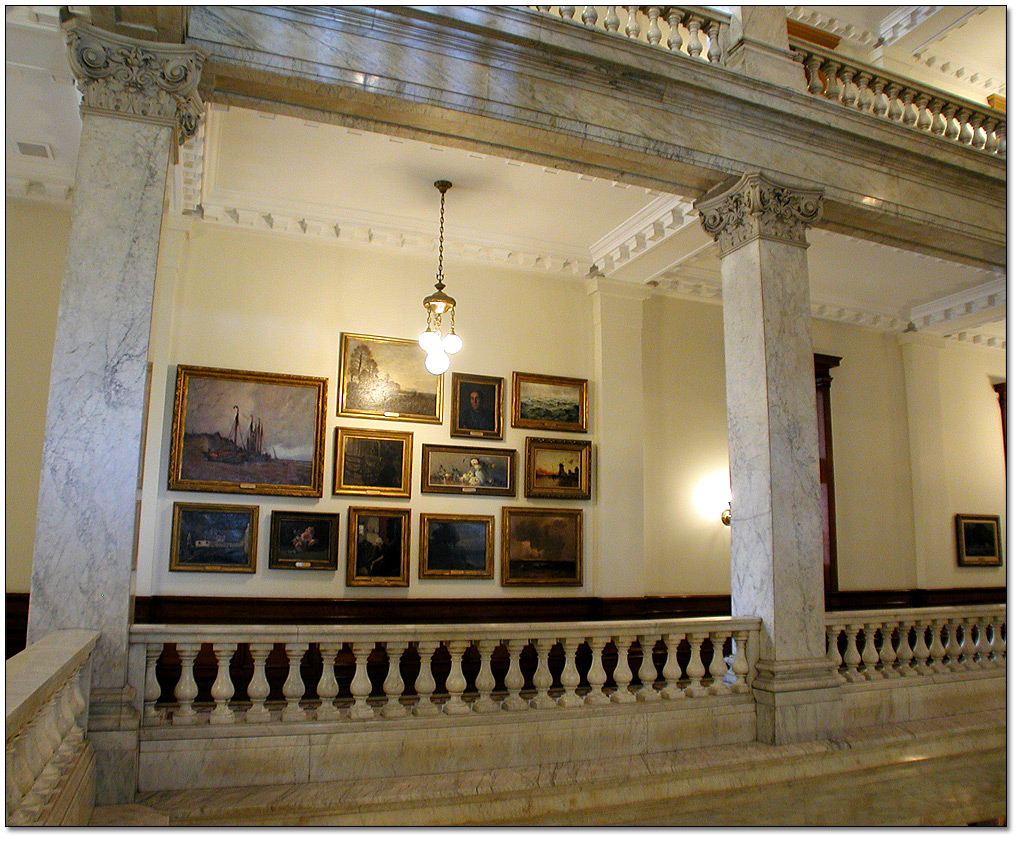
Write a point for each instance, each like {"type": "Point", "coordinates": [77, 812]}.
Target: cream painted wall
{"type": "Point", "coordinates": [36, 241]}
{"type": "Point", "coordinates": [265, 302]}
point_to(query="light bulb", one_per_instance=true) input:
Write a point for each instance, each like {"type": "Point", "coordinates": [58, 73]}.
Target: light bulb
{"type": "Point", "coordinates": [429, 341]}
{"type": "Point", "coordinates": [452, 343]}
{"type": "Point", "coordinates": [437, 362]}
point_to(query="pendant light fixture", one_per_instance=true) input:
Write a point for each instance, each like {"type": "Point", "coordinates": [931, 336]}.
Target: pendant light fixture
{"type": "Point", "coordinates": [432, 341]}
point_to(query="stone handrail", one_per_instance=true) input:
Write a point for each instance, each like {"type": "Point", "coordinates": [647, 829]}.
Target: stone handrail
{"type": "Point", "coordinates": [872, 645]}
{"type": "Point", "coordinates": [548, 666]}
{"type": "Point", "coordinates": [902, 101]}
{"type": "Point", "coordinates": [48, 760]}
{"type": "Point", "coordinates": [693, 30]}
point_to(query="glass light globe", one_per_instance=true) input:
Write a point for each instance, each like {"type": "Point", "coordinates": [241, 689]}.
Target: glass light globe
{"type": "Point", "coordinates": [437, 362]}
{"type": "Point", "coordinates": [452, 343]}
{"type": "Point", "coordinates": [429, 341]}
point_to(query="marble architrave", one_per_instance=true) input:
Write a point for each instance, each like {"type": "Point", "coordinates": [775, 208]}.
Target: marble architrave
{"type": "Point", "coordinates": [776, 547]}
{"type": "Point", "coordinates": [136, 97]}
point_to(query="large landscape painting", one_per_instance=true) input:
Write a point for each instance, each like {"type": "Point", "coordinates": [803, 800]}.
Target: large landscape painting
{"type": "Point", "coordinates": [383, 377]}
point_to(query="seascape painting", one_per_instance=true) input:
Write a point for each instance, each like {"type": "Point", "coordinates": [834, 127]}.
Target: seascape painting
{"type": "Point", "coordinates": [541, 547]}
{"type": "Point", "coordinates": [383, 377]}
{"type": "Point", "coordinates": [549, 403]}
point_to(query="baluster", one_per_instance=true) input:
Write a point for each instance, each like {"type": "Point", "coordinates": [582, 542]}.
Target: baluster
{"type": "Point", "coordinates": [937, 650]}
{"type": "Point", "coordinates": [19, 776]}
{"type": "Point", "coordinates": [921, 651]}
{"type": "Point", "coordinates": [713, 48]}
{"type": "Point", "coordinates": [718, 668]}
{"type": "Point", "coordinates": [672, 669]}
{"type": "Point", "coordinates": [294, 687]}
{"type": "Point", "coordinates": [485, 681]}
{"type": "Point", "coordinates": [622, 674]}
{"type": "Point", "coordinates": [647, 670]}
{"type": "Point", "coordinates": [570, 678]}
{"type": "Point", "coordinates": [852, 657]}
{"type": "Point", "coordinates": [909, 114]}
{"type": "Point", "coordinates": [424, 682]}
{"type": "Point", "coordinates": [258, 687]}
{"type": "Point", "coordinates": [150, 715]}
{"type": "Point", "coordinates": [989, 141]}
{"type": "Point", "coordinates": [951, 130]}
{"type": "Point", "coordinates": [695, 46]}
{"type": "Point", "coordinates": [327, 688]}
{"type": "Point", "coordinates": [597, 673]}
{"type": "Point", "coordinates": [954, 646]}
{"type": "Point", "coordinates": [1000, 644]}
{"type": "Point", "coordinates": [611, 22]}
{"type": "Point", "coordinates": [567, 12]}
{"type": "Point", "coordinates": [589, 15]}
{"type": "Point", "coordinates": [739, 663]}
{"type": "Point", "coordinates": [969, 643]}
{"type": "Point", "coordinates": [925, 117]}
{"type": "Point", "coordinates": [812, 65]}
{"type": "Point", "coordinates": [675, 40]}
{"type": "Point", "coordinates": [223, 687]}
{"type": "Point", "coordinates": [870, 656]}
{"type": "Point", "coordinates": [849, 94]}
{"type": "Point", "coordinates": [904, 651]}
{"type": "Point", "coordinates": [985, 644]}
{"type": "Point", "coordinates": [893, 89]}
{"type": "Point", "coordinates": [653, 33]}
{"type": "Point", "coordinates": [1001, 147]}
{"type": "Point", "coordinates": [887, 653]}
{"type": "Point", "coordinates": [361, 686]}
{"type": "Point", "coordinates": [695, 669]}
{"type": "Point", "coordinates": [879, 102]}
{"type": "Point", "coordinates": [543, 679]}
{"type": "Point", "coordinates": [965, 127]}
{"type": "Point", "coordinates": [937, 123]}
{"type": "Point", "coordinates": [833, 652]}
{"type": "Point", "coordinates": [514, 681]}
{"type": "Point", "coordinates": [456, 682]}
{"type": "Point", "coordinates": [830, 69]}
{"type": "Point", "coordinates": [632, 27]}
{"type": "Point", "coordinates": [186, 689]}
{"type": "Point", "coordinates": [862, 81]}
{"type": "Point", "coordinates": [978, 139]}
{"type": "Point", "coordinates": [393, 684]}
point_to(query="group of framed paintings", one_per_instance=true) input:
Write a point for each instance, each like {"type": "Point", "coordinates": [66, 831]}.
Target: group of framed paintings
{"type": "Point", "coordinates": [248, 432]}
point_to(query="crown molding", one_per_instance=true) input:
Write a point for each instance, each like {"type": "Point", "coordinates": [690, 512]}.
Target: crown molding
{"type": "Point", "coordinates": [971, 302]}
{"type": "Point", "coordinates": [644, 229]}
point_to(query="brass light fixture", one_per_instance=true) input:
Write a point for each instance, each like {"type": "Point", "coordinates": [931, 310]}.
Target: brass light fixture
{"type": "Point", "coordinates": [725, 516]}
{"type": "Point", "coordinates": [431, 340]}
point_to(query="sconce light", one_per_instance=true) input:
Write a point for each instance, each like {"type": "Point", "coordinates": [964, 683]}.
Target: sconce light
{"type": "Point", "coordinates": [712, 497]}
{"type": "Point", "coordinates": [436, 346]}
{"type": "Point", "coordinates": [725, 516]}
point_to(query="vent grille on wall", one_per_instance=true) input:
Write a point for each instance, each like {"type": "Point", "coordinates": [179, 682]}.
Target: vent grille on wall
{"type": "Point", "coordinates": [35, 150]}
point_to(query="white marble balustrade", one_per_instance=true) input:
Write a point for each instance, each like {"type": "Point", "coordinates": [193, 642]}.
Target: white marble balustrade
{"type": "Point", "coordinates": [901, 101]}
{"type": "Point", "coordinates": [48, 760]}
{"type": "Point", "coordinates": [493, 668]}
{"type": "Point", "coordinates": [691, 30]}
{"type": "Point", "coordinates": [878, 645]}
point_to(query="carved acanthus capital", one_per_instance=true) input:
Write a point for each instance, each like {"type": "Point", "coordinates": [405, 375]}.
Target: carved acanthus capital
{"type": "Point", "coordinates": [758, 207]}
{"type": "Point", "coordinates": [140, 80]}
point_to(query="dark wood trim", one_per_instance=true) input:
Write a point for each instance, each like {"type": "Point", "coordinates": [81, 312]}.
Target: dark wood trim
{"type": "Point", "coordinates": [823, 363]}
{"type": "Point", "coordinates": [17, 623]}
{"type": "Point", "coordinates": [914, 598]}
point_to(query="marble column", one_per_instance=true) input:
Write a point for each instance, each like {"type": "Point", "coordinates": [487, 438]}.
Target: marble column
{"type": "Point", "coordinates": [619, 419]}
{"type": "Point", "coordinates": [138, 99]}
{"type": "Point", "coordinates": [776, 536]}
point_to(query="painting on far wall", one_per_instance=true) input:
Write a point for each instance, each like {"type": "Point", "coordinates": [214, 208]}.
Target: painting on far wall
{"type": "Point", "coordinates": [213, 538]}
{"type": "Point", "coordinates": [378, 546]}
{"type": "Point", "coordinates": [541, 546]}
{"type": "Point", "coordinates": [542, 402]}
{"type": "Point", "coordinates": [382, 377]}
{"type": "Point", "coordinates": [979, 540]}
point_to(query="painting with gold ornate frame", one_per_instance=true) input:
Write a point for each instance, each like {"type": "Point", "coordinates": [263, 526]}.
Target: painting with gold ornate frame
{"type": "Point", "coordinates": [558, 468]}
{"type": "Point", "coordinates": [379, 546]}
{"type": "Point", "coordinates": [374, 463]}
{"type": "Point", "coordinates": [455, 546]}
{"type": "Point", "coordinates": [214, 538]}
{"type": "Point", "coordinates": [543, 402]}
{"type": "Point", "coordinates": [384, 377]}
{"type": "Point", "coordinates": [978, 538]}
{"type": "Point", "coordinates": [541, 546]}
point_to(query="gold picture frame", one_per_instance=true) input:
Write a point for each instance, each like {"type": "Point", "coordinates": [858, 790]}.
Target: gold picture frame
{"type": "Point", "coordinates": [558, 468]}
{"type": "Point", "coordinates": [480, 471]}
{"type": "Point", "coordinates": [978, 540]}
{"type": "Point", "coordinates": [374, 463]}
{"type": "Point", "coordinates": [379, 546]}
{"type": "Point", "coordinates": [214, 538]}
{"type": "Point", "coordinates": [280, 451]}
{"type": "Point", "coordinates": [544, 402]}
{"type": "Point", "coordinates": [303, 540]}
{"type": "Point", "coordinates": [477, 406]}
{"type": "Point", "coordinates": [455, 546]}
{"type": "Point", "coordinates": [540, 546]}
{"type": "Point", "coordinates": [384, 377]}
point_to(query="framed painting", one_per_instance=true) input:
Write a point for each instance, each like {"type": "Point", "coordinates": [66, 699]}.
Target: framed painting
{"type": "Point", "coordinates": [477, 406]}
{"type": "Point", "coordinates": [541, 546]}
{"type": "Point", "coordinates": [213, 538]}
{"type": "Point", "coordinates": [382, 377]}
{"type": "Point", "coordinates": [245, 432]}
{"type": "Point", "coordinates": [373, 462]}
{"type": "Point", "coordinates": [379, 546]}
{"type": "Point", "coordinates": [303, 540]}
{"type": "Point", "coordinates": [979, 540]}
{"type": "Point", "coordinates": [558, 468]}
{"type": "Point", "coordinates": [549, 403]}
{"type": "Point", "coordinates": [447, 469]}
{"type": "Point", "coordinates": [455, 546]}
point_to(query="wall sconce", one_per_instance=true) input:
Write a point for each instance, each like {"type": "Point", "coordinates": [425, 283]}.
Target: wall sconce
{"type": "Point", "coordinates": [712, 497]}
{"type": "Point", "coordinates": [725, 516]}
{"type": "Point", "coordinates": [436, 346]}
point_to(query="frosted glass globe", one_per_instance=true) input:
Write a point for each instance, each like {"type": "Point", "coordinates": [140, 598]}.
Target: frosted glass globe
{"type": "Point", "coordinates": [437, 362]}
{"type": "Point", "coordinates": [452, 343]}
{"type": "Point", "coordinates": [430, 341]}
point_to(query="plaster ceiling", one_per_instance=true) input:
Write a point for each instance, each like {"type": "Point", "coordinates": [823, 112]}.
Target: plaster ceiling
{"type": "Point", "coordinates": [278, 173]}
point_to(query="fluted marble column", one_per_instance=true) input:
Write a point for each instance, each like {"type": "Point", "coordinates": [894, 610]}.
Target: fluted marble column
{"type": "Point", "coordinates": [776, 538]}
{"type": "Point", "coordinates": [138, 98]}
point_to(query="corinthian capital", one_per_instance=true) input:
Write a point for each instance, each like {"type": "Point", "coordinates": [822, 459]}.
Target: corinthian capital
{"type": "Point", "coordinates": [754, 207]}
{"type": "Point", "coordinates": [140, 80]}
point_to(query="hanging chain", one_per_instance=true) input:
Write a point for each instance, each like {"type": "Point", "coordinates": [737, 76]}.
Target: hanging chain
{"type": "Point", "coordinates": [440, 266]}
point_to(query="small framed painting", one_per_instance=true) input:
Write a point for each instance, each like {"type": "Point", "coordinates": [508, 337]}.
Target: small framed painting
{"type": "Point", "coordinates": [557, 468]}
{"type": "Point", "coordinates": [213, 538]}
{"type": "Point", "coordinates": [477, 406]}
{"type": "Point", "coordinates": [246, 432]}
{"type": "Point", "coordinates": [379, 546]}
{"type": "Point", "coordinates": [979, 540]}
{"type": "Point", "coordinates": [447, 469]}
{"type": "Point", "coordinates": [549, 403]}
{"type": "Point", "coordinates": [541, 546]}
{"type": "Point", "coordinates": [455, 546]}
{"type": "Point", "coordinates": [376, 463]}
{"type": "Point", "coordinates": [303, 540]}
{"type": "Point", "coordinates": [383, 377]}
